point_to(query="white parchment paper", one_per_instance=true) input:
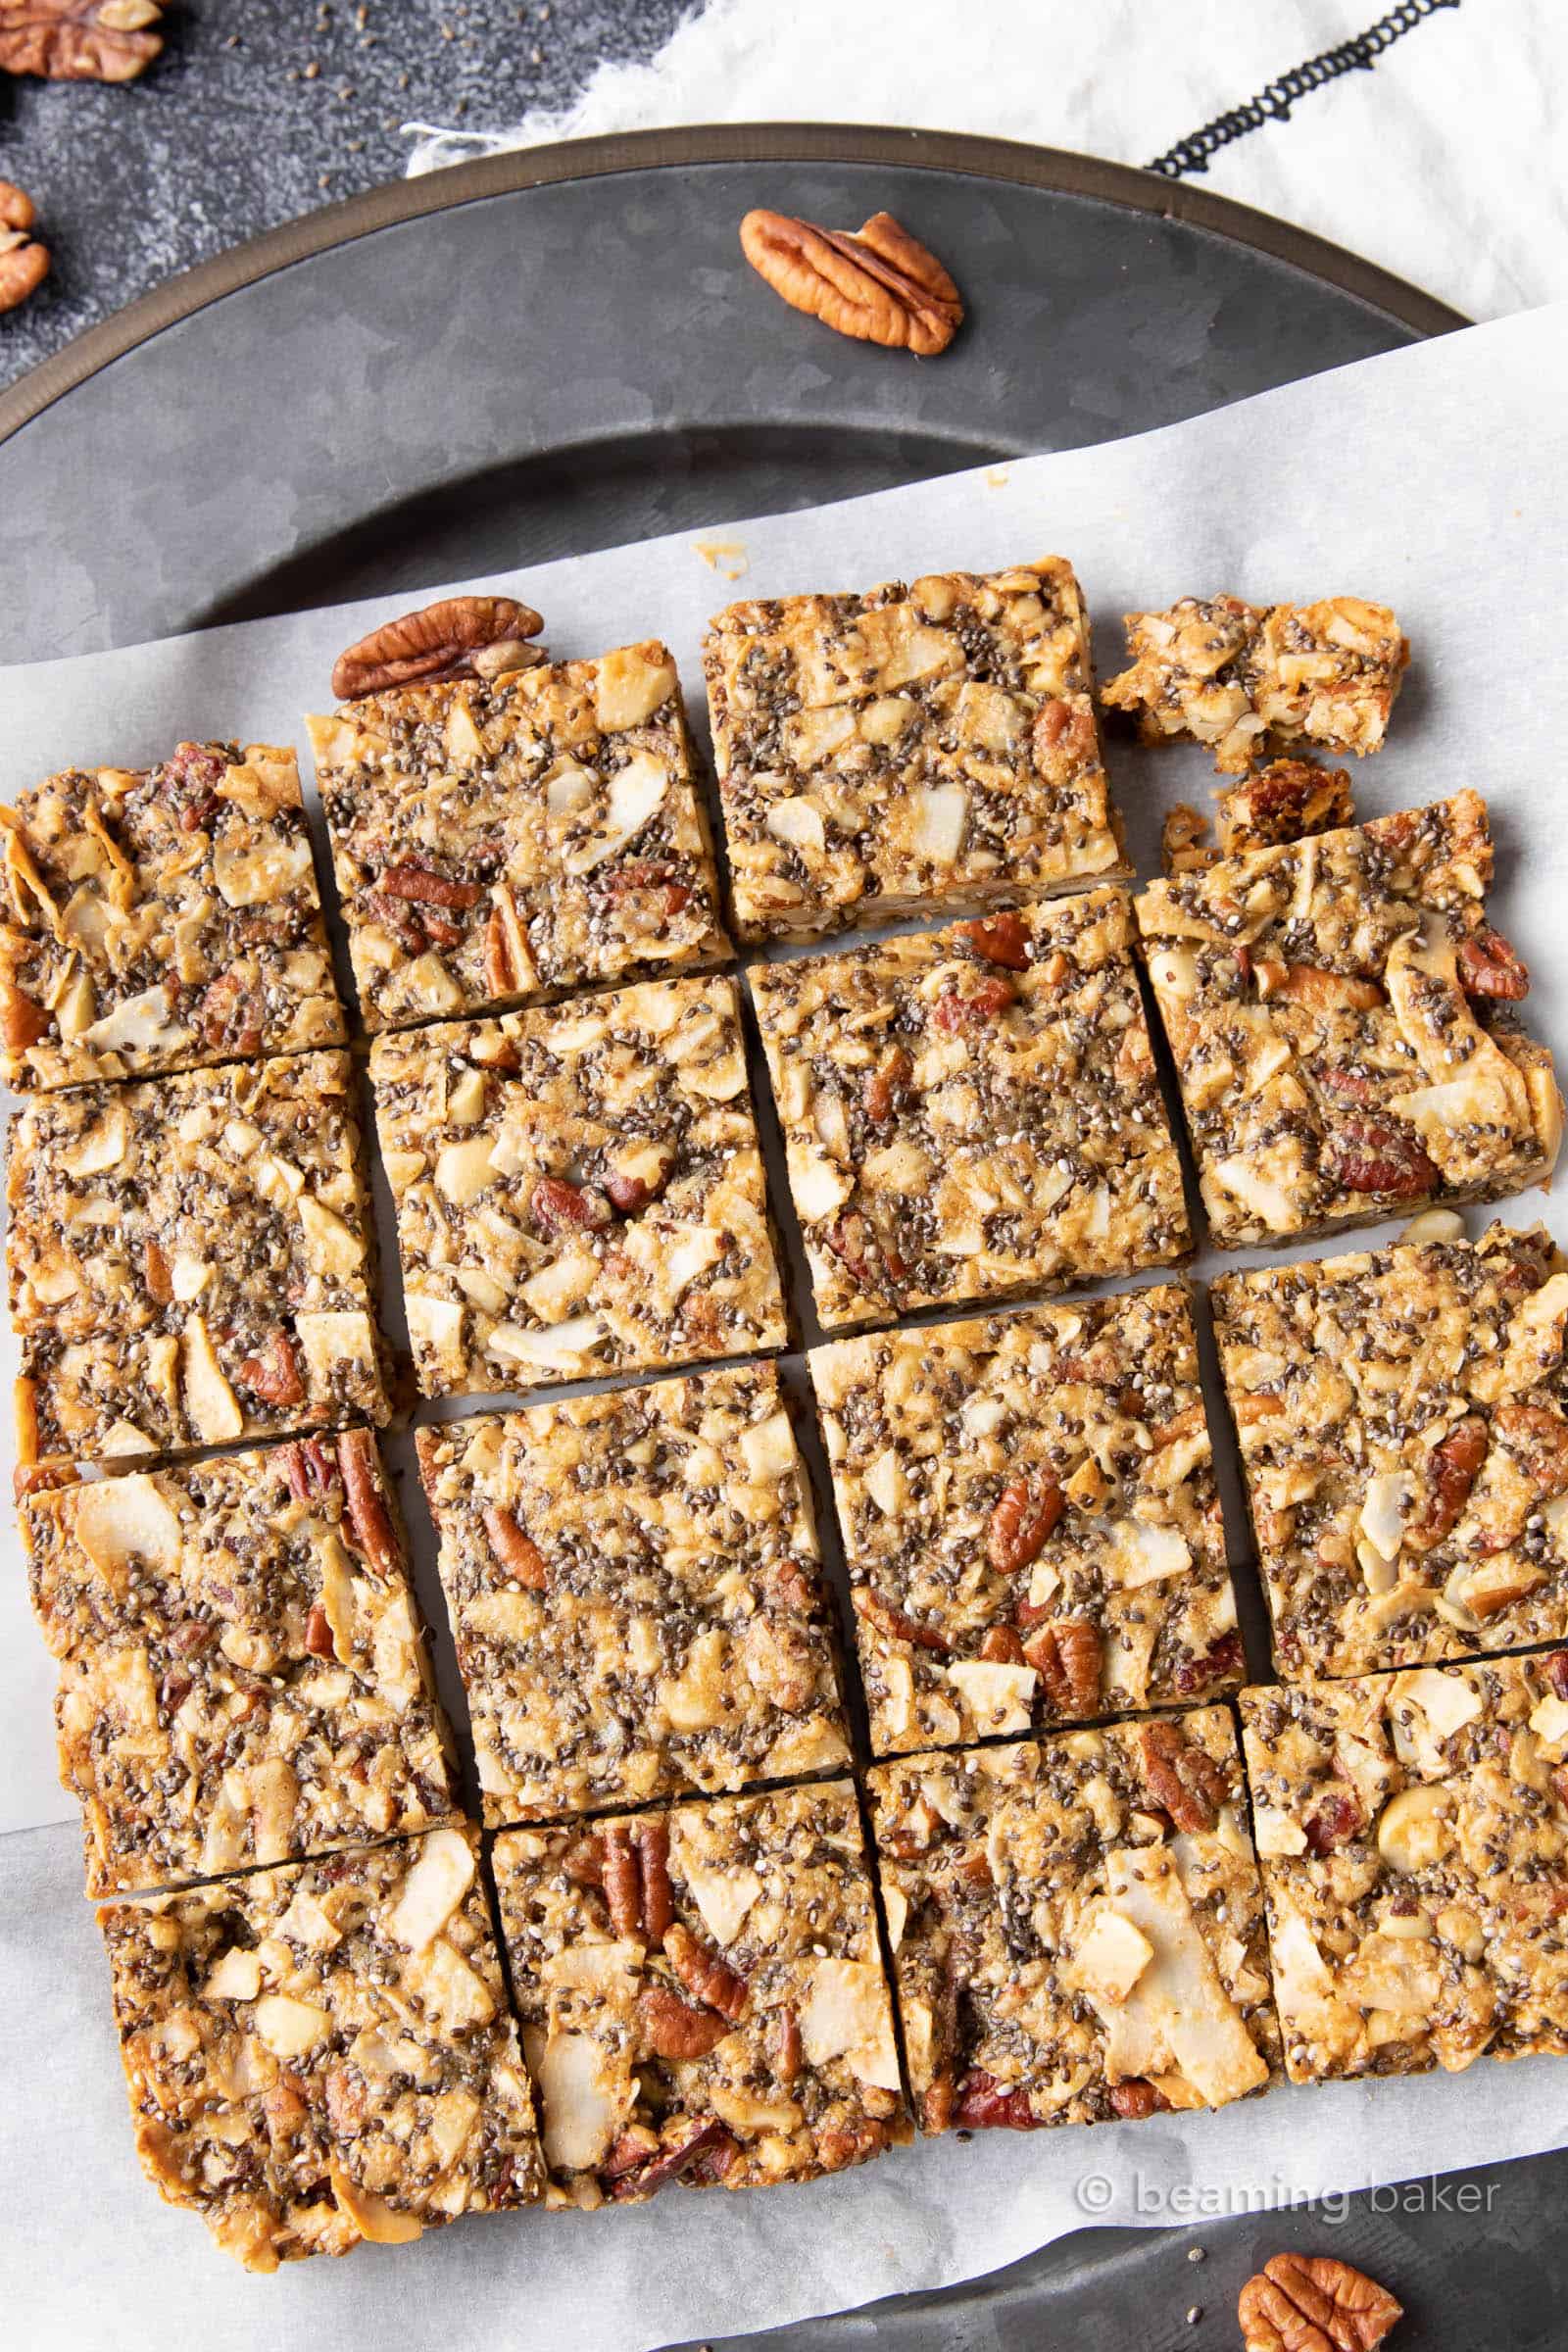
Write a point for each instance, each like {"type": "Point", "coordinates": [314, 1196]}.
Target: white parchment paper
{"type": "Point", "coordinates": [1434, 479]}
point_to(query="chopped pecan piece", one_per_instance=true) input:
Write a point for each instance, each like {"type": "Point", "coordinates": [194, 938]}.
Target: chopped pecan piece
{"type": "Point", "coordinates": [897, 1622]}
{"type": "Point", "coordinates": [1062, 737]}
{"type": "Point", "coordinates": [1024, 1515]}
{"type": "Point", "coordinates": [558, 1205]}
{"type": "Point", "coordinates": [1451, 1469]}
{"type": "Point", "coordinates": [784, 2044]}
{"type": "Point", "coordinates": [1065, 1654]}
{"type": "Point", "coordinates": [1537, 1439]}
{"type": "Point", "coordinates": [1309, 984]}
{"type": "Point", "coordinates": [621, 1880]}
{"type": "Point", "coordinates": [1314, 2303]}
{"type": "Point", "coordinates": [657, 1903]}
{"type": "Point", "coordinates": [368, 1518]}
{"type": "Point", "coordinates": [22, 1021]}
{"type": "Point", "coordinates": [229, 1016]}
{"type": "Point", "coordinates": [672, 2029]}
{"type": "Point", "coordinates": [1554, 1666]}
{"type": "Point", "coordinates": [23, 261]}
{"type": "Point", "coordinates": [704, 1973]}
{"type": "Point", "coordinates": [441, 641]}
{"type": "Point", "coordinates": [308, 1469]}
{"type": "Point", "coordinates": [154, 1271]}
{"type": "Point", "coordinates": [1210, 1666]}
{"type": "Point", "coordinates": [640, 2180]}
{"type": "Point", "coordinates": [517, 1553]}
{"type": "Point", "coordinates": [983, 2105]}
{"type": "Point", "coordinates": [1001, 1646]}
{"type": "Point", "coordinates": [273, 1374]}
{"type": "Point", "coordinates": [1371, 1156]}
{"type": "Point", "coordinates": [893, 1071]}
{"type": "Point", "coordinates": [319, 1632]}
{"type": "Point", "coordinates": [1135, 2098]}
{"type": "Point", "coordinates": [1184, 1780]}
{"type": "Point", "coordinates": [1490, 967]}
{"type": "Point", "coordinates": [649, 873]}
{"type": "Point", "coordinates": [1000, 939]}
{"type": "Point", "coordinates": [1334, 1822]}
{"type": "Point", "coordinates": [347, 2102]}
{"type": "Point", "coordinates": [870, 1260]}
{"type": "Point", "coordinates": [79, 40]}
{"type": "Point", "coordinates": [973, 1008]}
{"type": "Point", "coordinates": [878, 285]}
{"type": "Point", "coordinates": [426, 888]}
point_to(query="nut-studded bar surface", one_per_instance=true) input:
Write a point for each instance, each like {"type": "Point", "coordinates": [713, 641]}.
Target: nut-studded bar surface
{"type": "Point", "coordinates": [972, 1112]}
{"type": "Point", "coordinates": [242, 1670]}
{"type": "Point", "coordinates": [191, 1260]}
{"type": "Point", "coordinates": [911, 748]}
{"type": "Point", "coordinates": [579, 1189]}
{"type": "Point", "coordinates": [322, 2054]}
{"type": "Point", "coordinates": [635, 1589]}
{"type": "Point", "coordinates": [1030, 1518]}
{"type": "Point", "coordinates": [1077, 1925]}
{"type": "Point", "coordinates": [1402, 1417]}
{"type": "Point", "coordinates": [701, 1994]}
{"type": "Point", "coordinates": [160, 919]}
{"type": "Point", "coordinates": [1412, 1832]}
{"type": "Point", "coordinates": [1339, 1014]}
{"type": "Point", "coordinates": [1251, 680]}
{"type": "Point", "coordinates": [500, 841]}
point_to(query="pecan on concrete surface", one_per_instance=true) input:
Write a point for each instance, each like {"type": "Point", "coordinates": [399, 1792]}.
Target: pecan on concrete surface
{"type": "Point", "coordinates": [877, 285]}
{"type": "Point", "coordinates": [23, 261]}
{"type": "Point", "coordinates": [1314, 2303]}
{"type": "Point", "coordinates": [79, 40]}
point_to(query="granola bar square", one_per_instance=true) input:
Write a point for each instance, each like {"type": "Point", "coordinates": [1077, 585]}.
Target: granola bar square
{"type": "Point", "coordinates": [162, 918]}
{"type": "Point", "coordinates": [702, 1994]}
{"type": "Point", "coordinates": [579, 1190]}
{"type": "Point", "coordinates": [973, 1113]}
{"type": "Point", "coordinates": [1412, 1832]}
{"type": "Point", "coordinates": [243, 1676]}
{"type": "Point", "coordinates": [1077, 1925]}
{"type": "Point", "coordinates": [636, 1593]}
{"type": "Point", "coordinates": [1339, 1014]}
{"type": "Point", "coordinates": [909, 748]}
{"type": "Point", "coordinates": [495, 841]}
{"type": "Point", "coordinates": [322, 2054]}
{"type": "Point", "coordinates": [1402, 1417]}
{"type": "Point", "coordinates": [1030, 1518]}
{"type": "Point", "coordinates": [191, 1260]}
{"type": "Point", "coordinates": [1253, 681]}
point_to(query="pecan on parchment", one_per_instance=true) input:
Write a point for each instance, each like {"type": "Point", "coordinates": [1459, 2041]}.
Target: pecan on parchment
{"type": "Point", "coordinates": [79, 40]}
{"type": "Point", "coordinates": [23, 261]}
{"type": "Point", "coordinates": [481, 635]}
{"type": "Point", "coordinates": [1314, 2303]}
{"type": "Point", "coordinates": [877, 285]}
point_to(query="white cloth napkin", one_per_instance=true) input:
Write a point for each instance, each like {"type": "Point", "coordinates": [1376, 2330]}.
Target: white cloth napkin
{"type": "Point", "coordinates": [1447, 162]}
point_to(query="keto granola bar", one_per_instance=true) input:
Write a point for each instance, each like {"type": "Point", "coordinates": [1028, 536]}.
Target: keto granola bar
{"type": "Point", "coordinates": [1030, 1519]}
{"type": "Point", "coordinates": [243, 1676]}
{"type": "Point", "coordinates": [912, 748]}
{"type": "Point", "coordinates": [1412, 1832]}
{"type": "Point", "coordinates": [1404, 1426]}
{"type": "Point", "coordinates": [158, 919]}
{"type": "Point", "coordinates": [1251, 680]}
{"type": "Point", "coordinates": [191, 1260]}
{"type": "Point", "coordinates": [634, 1586]}
{"type": "Point", "coordinates": [972, 1112]}
{"type": "Point", "coordinates": [578, 1190]}
{"type": "Point", "coordinates": [1288, 800]}
{"type": "Point", "coordinates": [1340, 1015]}
{"type": "Point", "coordinates": [1077, 1925]}
{"type": "Point", "coordinates": [322, 2054]}
{"type": "Point", "coordinates": [701, 1994]}
{"type": "Point", "coordinates": [500, 840]}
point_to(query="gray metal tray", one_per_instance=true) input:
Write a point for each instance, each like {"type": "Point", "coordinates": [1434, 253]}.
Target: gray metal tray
{"type": "Point", "coordinates": [547, 353]}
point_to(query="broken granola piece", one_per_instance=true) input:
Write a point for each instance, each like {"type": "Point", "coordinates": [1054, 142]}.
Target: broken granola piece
{"type": "Point", "coordinates": [322, 2054]}
{"type": "Point", "coordinates": [750, 2042]}
{"type": "Point", "coordinates": [660, 1625]}
{"type": "Point", "coordinates": [158, 919]}
{"type": "Point", "coordinates": [1251, 681]}
{"type": "Point", "coordinates": [1290, 800]}
{"type": "Point", "coordinates": [501, 839]}
{"type": "Point", "coordinates": [1030, 1519]}
{"type": "Point", "coordinates": [1025, 1147]}
{"type": "Point", "coordinates": [1184, 845]}
{"type": "Point", "coordinates": [913, 748]}
{"type": "Point", "coordinates": [1099, 1964]}
{"type": "Point", "coordinates": [1435, 1933]}
{"type": "Point", "coordinates": [1334, 1066]}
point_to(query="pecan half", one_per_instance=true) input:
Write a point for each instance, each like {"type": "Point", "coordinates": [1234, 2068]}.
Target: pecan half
{"type": "Point", "coordinates": [1000, 939]}
{"type": "Point", "coordinates": [1024, 1515]}
{"type": "Point", "coordinates": [79, 40]}
{"type": "Point", "coordinates": [877, 285]}
{"type": "Point", "coordinates": [1369, 1155]}
{"type": "Point", "coordinates": [1314, 2303]}
{"type": "Point", "coordinates": [1451, 1469]}
{"type": "Point", "coordinates": [23, 261]}
{"type": "Point", "coordinates": [1065, 1654]}
{"type": "Point", "coordinates": [1183, 1780]}
{"type": "Point", "coordinates": [518, 1554]}
{"type": "Point", "coordinates": [369, 1521]}
{"type": "Point", "coordinates": [274, 1373]}
{"type": "Point", "coordinates": [672, 2029]}
{"type": "Point", "coordinates": [983, 2105]}
{"type": "Point", "coordinates": [897, 1622]}
{"type": "Point", "coordinates": [441, 641]}
{"type": "Point", "coordinates": [704, 1973]}
{"type": "Point", "coordinates": [1490, 967]}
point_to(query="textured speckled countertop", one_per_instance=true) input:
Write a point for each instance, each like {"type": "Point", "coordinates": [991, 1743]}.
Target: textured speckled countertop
{"type": "Point", "coordinates": [257, 114]}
